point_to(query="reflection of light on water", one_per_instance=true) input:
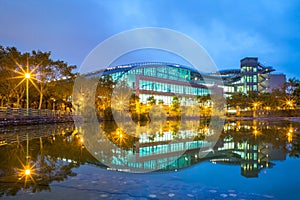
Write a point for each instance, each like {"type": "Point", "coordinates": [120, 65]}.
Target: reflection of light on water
{"type": "Point", "coordinates": [256, 132]}
{"type": "Point", "coordinates": [119, 136]}
{"type": "Point", "coordinates": [26, 173]}
{"type": "Point", "coordinates": [81, 140]}
{"type": "Point", "coordinates": [27, 169]}
{"type": "Point", "coordinates": [290, 134]}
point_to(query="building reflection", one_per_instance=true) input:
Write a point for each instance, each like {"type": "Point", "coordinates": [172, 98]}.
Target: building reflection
{"type": "Point", "coordinates": [157, 147]}
{"type": "Point", "coordinates": [56, 150]}
{"type": "Point", "coordinates": [255, 145]}
{"type": "Point", "coordinates": [251, 144]}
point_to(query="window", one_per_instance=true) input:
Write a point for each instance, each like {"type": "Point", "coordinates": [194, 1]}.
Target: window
{"type": "Point", "coordinates": [254, 87]}
{"type": "Point", "coordinates": [255, 78]}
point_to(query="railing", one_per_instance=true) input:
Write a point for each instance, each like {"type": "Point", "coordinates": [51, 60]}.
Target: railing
{"type": "Point", "coordinates": [7, 111]}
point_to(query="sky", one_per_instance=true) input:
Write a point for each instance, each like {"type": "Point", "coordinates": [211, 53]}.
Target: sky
{"type": "Point", "coordinates": [228, 30]}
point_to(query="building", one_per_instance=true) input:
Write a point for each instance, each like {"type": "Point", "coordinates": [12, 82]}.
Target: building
{"type": "Point", "coordinates": [251, 77]}
{"type": "Point", "coordinates": [166, 80]}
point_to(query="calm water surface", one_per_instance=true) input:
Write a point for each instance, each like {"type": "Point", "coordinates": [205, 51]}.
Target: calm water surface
{"type": "Point", "coordinates": [248, 160]}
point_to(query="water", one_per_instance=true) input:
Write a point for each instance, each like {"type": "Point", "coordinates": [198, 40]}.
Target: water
{"type": "Point", "coordinates": [250, 160]}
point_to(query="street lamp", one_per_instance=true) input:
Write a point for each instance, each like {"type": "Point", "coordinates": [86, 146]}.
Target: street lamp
{"type": "Point", "coordinates": [27, 77]}
{"type": "Point", "coordinates": [26, 74]}
{"type": "Point", "coordinates": [289, 103]}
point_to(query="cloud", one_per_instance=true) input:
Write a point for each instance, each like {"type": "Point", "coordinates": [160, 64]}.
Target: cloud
{"type": "Point", "coordinates": [229, 30]}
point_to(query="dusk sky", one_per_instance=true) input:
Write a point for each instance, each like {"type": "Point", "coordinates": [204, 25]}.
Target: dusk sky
{"type": "Point", "coordinates": [229, 30]}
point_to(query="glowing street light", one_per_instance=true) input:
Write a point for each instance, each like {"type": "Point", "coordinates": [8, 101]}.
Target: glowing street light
{"type": "Point", "coordinates": [27, 75]}
{"type": "Point", "coordinates": [289, 103]}
{"type": "Point", "coordinates": [27, 172]}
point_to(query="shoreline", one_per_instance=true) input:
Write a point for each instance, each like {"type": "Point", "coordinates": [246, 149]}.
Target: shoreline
{"type": "Point", "coordinates": [271, 118]}
{"type": "Point", "coordinates": [35, 120]}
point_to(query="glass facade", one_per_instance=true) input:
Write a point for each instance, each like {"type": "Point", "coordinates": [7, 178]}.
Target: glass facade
{"type": "Point", "coordinates": [161, 81]}
{"type": "Point", "coordinates": [163, 72]}
{"type": "Point", "coordinates": [171, 88]}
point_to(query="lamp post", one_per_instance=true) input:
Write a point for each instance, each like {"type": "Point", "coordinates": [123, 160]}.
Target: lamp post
{"type": "Point", "coordinates": [27, 77]}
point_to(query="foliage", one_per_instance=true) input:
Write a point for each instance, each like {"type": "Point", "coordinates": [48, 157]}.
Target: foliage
{"type": "Point", "coordinates": [151, 100]}
{"type": "Point", "coordinates": [104, 91]}
{"type": "Point", "coordinates": [272, 101]}
{"type": "Point", "coordinates": [44, 71]}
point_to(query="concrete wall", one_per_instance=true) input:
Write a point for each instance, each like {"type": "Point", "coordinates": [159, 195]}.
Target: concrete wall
{"type": "Point", "coordinates": [275, 81]}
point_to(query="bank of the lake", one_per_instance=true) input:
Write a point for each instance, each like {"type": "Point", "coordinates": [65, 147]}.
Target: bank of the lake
{"type": "Point", "coordinates": [33, 120]}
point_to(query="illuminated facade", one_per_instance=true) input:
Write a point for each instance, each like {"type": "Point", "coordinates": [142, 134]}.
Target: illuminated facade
{"type": "Point", "coordinates": [163, 81]}
{"type": "Point", "coordinates": [251, 77]}
{"type": "Point", "coordinates": [166, 80]}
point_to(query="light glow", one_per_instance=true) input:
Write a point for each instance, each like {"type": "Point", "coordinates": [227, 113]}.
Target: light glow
{"type": "Point", "coordinates": [27, 172]}
{"type": "Point", "coordinates": [27, 75]}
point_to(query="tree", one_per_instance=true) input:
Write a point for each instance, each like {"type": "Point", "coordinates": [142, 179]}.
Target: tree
{"type": "Point", "coordinates": [151, 100]}
{"type": "Point", "coordinates": [134, 107]}
{"type": "Point", "coordinates": [276, 98]}
{"type": "Point", "coordinates": [296, 94]}
{"type": "Point", "coordinates": [203, 100]}
{"type": "Point", "coordinates": [104, 91]}
{"type": "Point", "coordinates": [12, 75]}
{"type": "Point", "coordinates": [48, 70]}
{"type": "Point", "coordinates": [291, 85]}
{"type": "Point", "coordinates": [238, 100]}
{"type": "Point", "coordinates": [43, 70]}
{"type": "Point", "coordinates": [59, 90]}
{"type": "Point", "coordinates": [160, 102]}
{"type": "Point", "coordinates": [175, 107]}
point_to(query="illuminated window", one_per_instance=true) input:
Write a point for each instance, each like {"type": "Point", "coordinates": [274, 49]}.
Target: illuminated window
{"type": "Point", "coordinates": [254, 87]}
{"type": "Point", "coordinates": [255, 78]}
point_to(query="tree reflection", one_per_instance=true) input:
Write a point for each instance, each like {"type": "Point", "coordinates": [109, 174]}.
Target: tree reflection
{"type": "Point", "coordinates": [50, 159]}
{"type": "Point", "coordinates": [120, 135]}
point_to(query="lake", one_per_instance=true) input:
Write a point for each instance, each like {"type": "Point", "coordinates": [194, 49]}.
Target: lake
{"type": "Point", "coordinates": [194, 159]}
